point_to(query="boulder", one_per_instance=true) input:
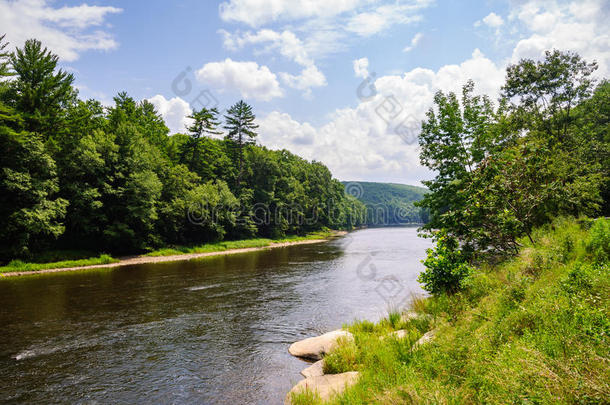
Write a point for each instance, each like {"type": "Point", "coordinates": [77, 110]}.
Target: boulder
{"type": "Point", "coordinates": [427, 338]}
{"type": "Point", "coordinates": [399, 334]}
{"type": "Point", "coordinates": [315, 370]}
{"type": "Point", "coordinates": [326, 385]}
{"type": "Point", "coordinates": [316, 347]}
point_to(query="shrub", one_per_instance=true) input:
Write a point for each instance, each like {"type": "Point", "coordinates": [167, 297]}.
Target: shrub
{"type": "Point", "coordinates": [446, 267]}
{"type": "Point", "coordinates": [599, 240]}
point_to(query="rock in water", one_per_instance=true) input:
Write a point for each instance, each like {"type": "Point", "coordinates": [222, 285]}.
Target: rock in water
{"type": "Point", "coordinates": [315, 370]}
{"type": "Point", "coordinates": [316, 347]}
{"type": "Point", "coordinates": [326, 386]}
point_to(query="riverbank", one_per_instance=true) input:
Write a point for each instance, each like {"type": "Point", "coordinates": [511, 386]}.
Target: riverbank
{"type": "Point", "coordinates": [170, 254]}
{"type": "Point", "coordinates": [533, 329]}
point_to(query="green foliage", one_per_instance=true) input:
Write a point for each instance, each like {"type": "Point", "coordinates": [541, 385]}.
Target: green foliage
{"type": "Point", "coordinates": [40, 93]}
{"type": "Point", "coordinates": [505, 338]}
{"type": "Point", "coordinates": [501, 172]}
{"type": "Point", "coordinates": [78, 175]}
{"type": "Point", "coordinates": [241, 127]}
{"type": "Point", "coordinates": [599, 241]}
{"type": "Point", "coordinates": [18, 265]}
{"type": "Point", "coordinates": [30, 211]}
{"type": "Point", "coordinates": [446, 267]}
{"type": "Point", "coordinates": [342, 359]}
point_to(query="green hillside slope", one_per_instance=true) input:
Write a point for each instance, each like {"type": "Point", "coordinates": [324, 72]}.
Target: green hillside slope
{"type": "Point", "coordinates": [531, 330]}
{"type": "Point", "coordinates": [389, 203]}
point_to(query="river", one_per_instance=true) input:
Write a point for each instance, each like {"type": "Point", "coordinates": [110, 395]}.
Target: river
{"type": "Point", "coordinates": [211, 331]}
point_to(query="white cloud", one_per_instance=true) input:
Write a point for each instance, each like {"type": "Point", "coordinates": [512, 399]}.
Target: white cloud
{"type": "Point", "coordinates": [248, 78]}
{"type": "Point", "coordinates": [361, 67]}
{"type": "Point", "coordinates": [259, 12]}
{"type": "Point", "coordinates": [308, 78]}
{"type": "Point", "coordinates": [67, 31]}
{"type": "Point", "coordinates": [492, 20]}
{"type": "Point", "coordinates": [324, 28]}
{"type": "Point", "coordinates": [576, 26]}
{"type": "Point", "coordinates": [290, 47]}
{"type": "Point", "coordinates": [362, 143]}
{"type": "Point", "coordinates": [383, 17]}
{"type": "Point", "coordinates": [174, 111]}
{"type": "Point", "coordinates": [414, 41]}
{"type": "Point", "coordinates": [286, 42]}
{"type": "Point", "coordinates": [279, 130]}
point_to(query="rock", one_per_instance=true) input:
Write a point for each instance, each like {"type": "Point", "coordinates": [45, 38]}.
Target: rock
{"type": "Point", "coordinates": [399, 334]}
{"type": "Point", "coordinates": [326, 385]}
{"type": "Point", "coordinates": [316, 347]}
{"type": "Point", "coordinates": [315, 370]}
{"type": "Point", "coordinates": [408, 315]}
{"type": "Point", "coordinates": [428, 336]}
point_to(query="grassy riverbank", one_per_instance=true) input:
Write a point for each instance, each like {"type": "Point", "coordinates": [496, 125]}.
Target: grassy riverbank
{"type": "Point", "coordinates": [238, 244]}
{"type": "Point", "coordinates": [534, 329]}
{"type": "Point", "coordinates": [19, 266]}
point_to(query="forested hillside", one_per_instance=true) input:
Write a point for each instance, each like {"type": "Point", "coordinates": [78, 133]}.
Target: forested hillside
{"type": "Point", "coordinates": [389, 203]}
{"type": "Point", "coordinates": [80, 175]}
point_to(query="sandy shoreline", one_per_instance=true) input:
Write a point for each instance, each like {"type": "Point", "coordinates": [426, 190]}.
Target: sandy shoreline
{"type": "Point", "coordinates": [173, 258]}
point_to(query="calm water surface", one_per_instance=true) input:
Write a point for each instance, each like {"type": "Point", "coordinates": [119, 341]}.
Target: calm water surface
{"type": "Point", "coordinates": [213, 331]}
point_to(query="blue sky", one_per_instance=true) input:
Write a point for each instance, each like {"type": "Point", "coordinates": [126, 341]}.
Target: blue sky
{"type": "Point", "coordinates": [300, 63]}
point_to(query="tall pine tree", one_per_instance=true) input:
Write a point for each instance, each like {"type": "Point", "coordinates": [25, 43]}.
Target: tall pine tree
{"type": "Point", "coordinates": [241, 127]}
{"type": "Point", "coordinates": [41, 92]}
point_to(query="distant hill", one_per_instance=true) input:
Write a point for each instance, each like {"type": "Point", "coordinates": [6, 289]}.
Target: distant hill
{"type": "Point", "coordinates": [389, 203]}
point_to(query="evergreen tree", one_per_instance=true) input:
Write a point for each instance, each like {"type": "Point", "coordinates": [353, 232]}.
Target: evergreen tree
{"type": "Point", "coordinates": [40, 93]}
{"type": "Point", "coordinates": [241, 127]}
{"type": "Point", "coordinates": [198, 154]}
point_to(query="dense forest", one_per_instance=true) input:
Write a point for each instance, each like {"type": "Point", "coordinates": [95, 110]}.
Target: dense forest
{"type": "Point", "coordinates": [389, 203]}
{"type": "Point", "coordinates": [541, 152]}
{"type": "Point", "coordinates": [80, 175]}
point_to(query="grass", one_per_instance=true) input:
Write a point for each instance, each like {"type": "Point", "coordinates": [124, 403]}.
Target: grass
{"type": "Point", "coordinates": [532, 330]}
{"type": "Point", "coordinates": [75, 258]}
{"type": "Point", "coordinates": [18, 265]}
{"type": "Point", "coordinates": [237, 244]}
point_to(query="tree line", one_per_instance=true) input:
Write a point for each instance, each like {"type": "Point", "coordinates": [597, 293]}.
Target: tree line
{"type": "Point", "coordinates": [79, 175]}
{"type": "Point", "coordinates": [541, 151]}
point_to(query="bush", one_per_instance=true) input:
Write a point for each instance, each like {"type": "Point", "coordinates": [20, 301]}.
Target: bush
{"type": "Point", "coordinates": [446, 267]}
{"type": "Point", "coordinates": [599, 240]}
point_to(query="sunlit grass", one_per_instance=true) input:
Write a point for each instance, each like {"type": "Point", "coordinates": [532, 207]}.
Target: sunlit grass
{"type": "Point", "coordinates": [18, 265]}
{"type": "Point", "coordinates": [75, 258]}
{"type": "Point", "coordinates": [534, 329]}
{"type": "Point", "coordinates": [237, 244]}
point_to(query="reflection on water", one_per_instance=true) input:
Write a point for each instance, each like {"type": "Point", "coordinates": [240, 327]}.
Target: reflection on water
{"type": "Point", "coordinates": [214, 330]}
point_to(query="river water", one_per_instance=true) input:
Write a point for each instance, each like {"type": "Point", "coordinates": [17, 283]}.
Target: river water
{"type": "Point", "coordinates": [214, 330]}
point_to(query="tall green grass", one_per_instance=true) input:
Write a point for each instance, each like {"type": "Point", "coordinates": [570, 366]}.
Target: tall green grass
{"type": "Point", "coordinates": [532, 330]}
{"type": "Point", "coordinates": [18, 265]}
{"type": "Point", "coordinates": [237, 244]}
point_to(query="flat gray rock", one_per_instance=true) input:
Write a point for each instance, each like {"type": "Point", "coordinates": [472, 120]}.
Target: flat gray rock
{"type": "Point", "coordinates": [315, 370]}
{"type": "Point", "coordinates": [427, 338]}
{"type": "Point", "coordinates": [316, 347]}
{"type": "Point", "coordinates": [326, 386]}
{"type": "Point", "coordinates": [399, 334]}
